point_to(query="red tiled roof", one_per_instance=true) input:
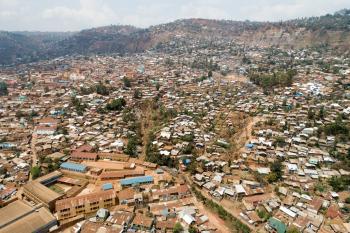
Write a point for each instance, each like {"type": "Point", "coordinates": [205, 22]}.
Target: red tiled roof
{"type": "Point", "coordinates": [84, 148]}
{"type": "Point", "coordinates": [83, 155]}
{"type": "Point", "coordinates": [172, 190]}
{"type": "Point", "coordinates": [121, 174]}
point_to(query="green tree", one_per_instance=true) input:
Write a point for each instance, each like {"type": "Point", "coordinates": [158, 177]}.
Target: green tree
{"type": "Point", "coordinates": [192, 229]}
{"type": "Point", "coordinates": [272, 177]}
{"type": "Point", "coordinates": [310, 114]}
{"type": "Point", "coordinates": [336, 128]}
{"type": "Point", "coordinates": [33, 114]}
{"type": "Point", "coordinates": [35, 171]}
{"type": "Point", "coordinates": [284, 103]}
{"type": "Point", "coordinates": [126, 82]}
{"type": "Point", "coordinates": [19, 114]}
{"type": "Point", "coordinates": [3, 89]}
{"type": "Point", "coordinates": [339, 183]}
{"type": "Point", "coordinates": [347, 200]}
{"type": "Point", "coordinates": [116, 104]}
{"type": "Point", "coordinates": [263, 214]}
{"type": "Point", "coordinates": [292, 230]}
{"type": "Point", "coordinates": [276, 171]}
{"type": "Point", "coordinates": [78, 105]}
{"type": "Point", "coordinates": [131, 147]}
{"type": "Point", "coordinates": [280, 141]}
{"type": "Point", "coordinates": [192, 167]}
{"type": "Point", "coordinates": [321, 113]}
{"type": "Point", "coordinates": [178, 228]}
{"type": "Point", "coordinates": [101, 89]}
{"type": "Point", "coordinates": [137, 94]}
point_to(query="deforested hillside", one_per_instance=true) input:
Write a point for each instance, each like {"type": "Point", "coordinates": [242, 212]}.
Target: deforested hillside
{"type": "Point", "coordinates": [332, 30]}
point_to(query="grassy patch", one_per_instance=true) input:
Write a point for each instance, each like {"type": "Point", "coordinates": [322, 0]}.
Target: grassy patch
{"type": "Point", "coordinates": [57, 189]}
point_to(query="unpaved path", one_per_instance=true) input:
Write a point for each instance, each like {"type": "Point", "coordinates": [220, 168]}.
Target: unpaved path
{"type": "Point", "coordinates": [246, 134]}
{"type": "Point", "coordinates": [234, 211]}
{"type": "Point", "coordinates": [34, 154]}
{"type": "Point", "coordinates": [214, 219]}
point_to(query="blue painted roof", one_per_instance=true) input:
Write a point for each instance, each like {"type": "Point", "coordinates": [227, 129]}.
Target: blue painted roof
{"type": "Point", "coordinates": [73, 166]}
{"type": "Point", "coordinates": [136, 180]}
{"type": "Point", "coordinates": [107, 186]}
{"type": "Point", "coordinates": [165, 212]}
{"type": "Point", "coordinates": [187, 161]}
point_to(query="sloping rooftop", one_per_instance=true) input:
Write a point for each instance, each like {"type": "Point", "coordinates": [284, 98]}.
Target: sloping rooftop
{"type": "Point", "coordinates": [107, 186]}
{"type": "Point", "coordinates": [136, 180]}
{"type": "Point", "coordinates": [42, 192]}
{"type": "Point", "coordinates": [84, 155]}
{"type": "Point", "coordinates": [13, 211]}
{"type": "Point", "coordinates": [48, 177]}
{"type": "Point", "coordinates": [20, 217]}
{"type": "Point", "coordinates": [73, 166]}
{"type": "Point", "coordinates": [276, 224]}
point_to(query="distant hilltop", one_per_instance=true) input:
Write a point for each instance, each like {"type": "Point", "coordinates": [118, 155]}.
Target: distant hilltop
{"type": "Point", "coordinates": [329, 30]}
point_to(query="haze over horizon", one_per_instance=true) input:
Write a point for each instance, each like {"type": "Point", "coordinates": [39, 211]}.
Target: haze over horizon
{"type": "Point", "coordinates": [74, 15]}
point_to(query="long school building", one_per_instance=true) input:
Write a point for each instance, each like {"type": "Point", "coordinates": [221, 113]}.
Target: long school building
{"type": "Point", "coordinates": [85, 204]}
{"type": "Point", "coordinates": [139, 180]}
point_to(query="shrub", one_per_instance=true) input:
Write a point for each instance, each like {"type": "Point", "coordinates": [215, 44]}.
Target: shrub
{"type": "Point", "coordinates": [339, 183]}
{"type": "Point", "coordinates": [178, 228]}
{"type": "Point", "coordinates": [116, 105]}
{"type": "Point", "coordinates": [35, 171]}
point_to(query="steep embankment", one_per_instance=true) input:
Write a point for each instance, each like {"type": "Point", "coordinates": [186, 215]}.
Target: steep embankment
{"type": "Point", "coordinates": [329, 30]}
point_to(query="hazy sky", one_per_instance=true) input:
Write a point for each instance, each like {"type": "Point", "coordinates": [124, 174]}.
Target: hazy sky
{"type": "Point", "coordinates": [64, 15]}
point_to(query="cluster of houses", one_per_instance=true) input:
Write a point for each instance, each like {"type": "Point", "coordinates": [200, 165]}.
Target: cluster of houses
{"type": "Point", "coordinates": [271, 161]}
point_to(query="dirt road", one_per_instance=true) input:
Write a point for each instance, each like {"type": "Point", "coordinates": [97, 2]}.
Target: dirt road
{"type": "Point", "coordinates": [214, 219]}
{"type": "Point", "coordinates": [224, 203]}
{"type": "Point", "coordinates": [246, 134]}
{"type": "Point", "coordinates": [34, 154]}
{"type": "Point", "coordinates": [231, 208]}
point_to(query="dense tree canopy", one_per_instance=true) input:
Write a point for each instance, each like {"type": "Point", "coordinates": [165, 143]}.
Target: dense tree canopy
{"type": "Point", "coordinates": [276, 171]}
{"type": "Point", "coordinates": [131, 147]}
{"type": "Point", "coordinates": [275, 79]}
{"type": "Point", "coordinates": [99, 88]}
{"type": "Point", "coordinates": [79, 106]}
{"type": "Point", "coordinates": [339, 183]}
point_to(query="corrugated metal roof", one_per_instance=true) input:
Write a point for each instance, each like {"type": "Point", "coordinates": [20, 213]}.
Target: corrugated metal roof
{"type": "Point", "coordinates": [136, 180]}
{"type": "Point", "coordinates": [107, 186]}
{"type": "Point", "coordinates": [73, 166]}
{"type": "Point", "coordinates": [276, 224]}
